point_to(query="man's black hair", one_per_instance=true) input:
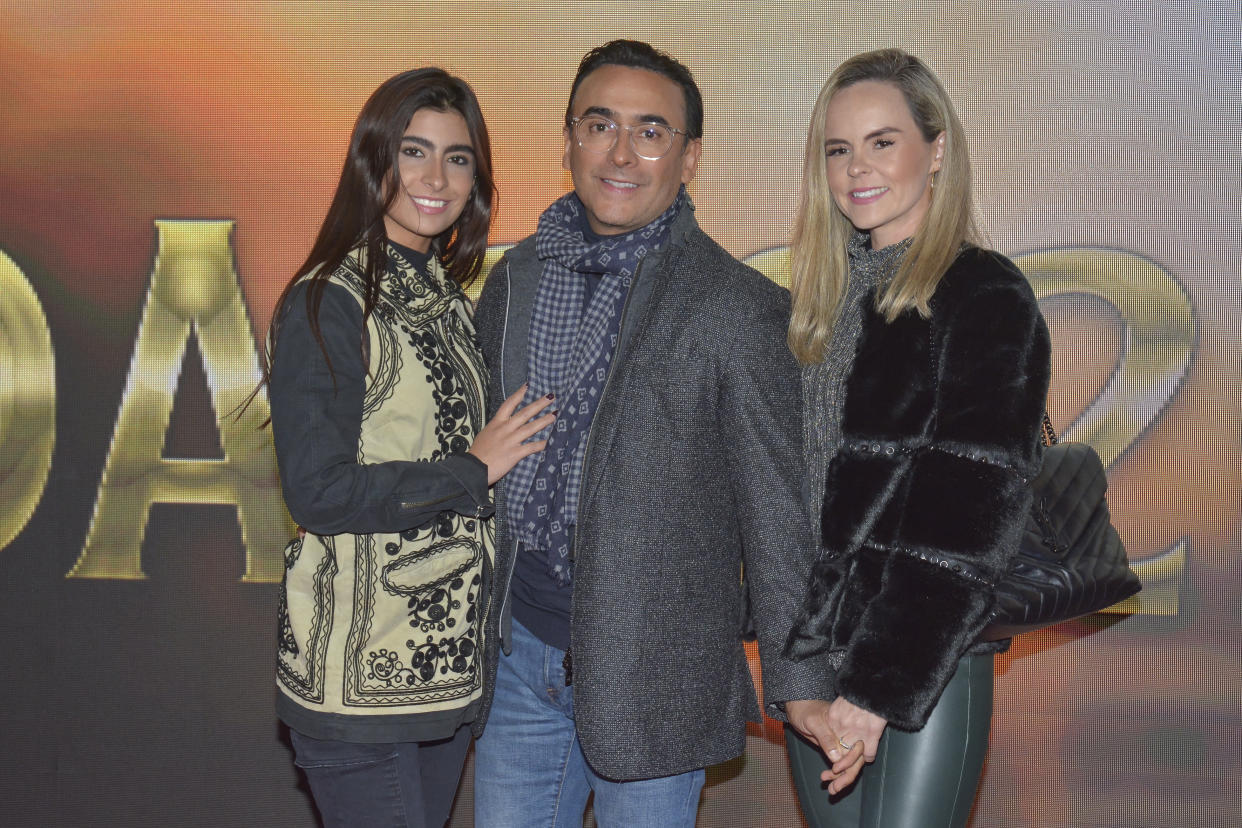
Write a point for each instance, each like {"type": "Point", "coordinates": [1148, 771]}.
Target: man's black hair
{"type": "Point", "coordinates": [639, 55]}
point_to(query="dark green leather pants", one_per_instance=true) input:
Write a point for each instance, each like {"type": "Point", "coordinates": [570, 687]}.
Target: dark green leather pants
{"type": "Point", "coordinates": [925, 779]}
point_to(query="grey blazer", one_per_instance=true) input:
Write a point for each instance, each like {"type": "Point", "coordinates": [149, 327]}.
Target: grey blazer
{"type": "Point", "coordinates": [693, 469]}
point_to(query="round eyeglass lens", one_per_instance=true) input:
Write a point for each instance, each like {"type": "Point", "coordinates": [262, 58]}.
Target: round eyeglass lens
{"type": "Point", "coordinates": [598, 134]}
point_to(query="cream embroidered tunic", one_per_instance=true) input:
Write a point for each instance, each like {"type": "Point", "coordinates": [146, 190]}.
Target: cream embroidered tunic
{"type": "Point", "coordinates": [380, 627]}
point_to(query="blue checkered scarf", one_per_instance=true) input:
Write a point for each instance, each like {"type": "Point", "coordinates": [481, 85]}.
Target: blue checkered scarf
{"type": "Point", "coordinates": [570, 352]}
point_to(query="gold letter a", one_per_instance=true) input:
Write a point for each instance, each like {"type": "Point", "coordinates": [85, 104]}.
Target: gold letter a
{"type": "Point", "coordinates": [193, 286]}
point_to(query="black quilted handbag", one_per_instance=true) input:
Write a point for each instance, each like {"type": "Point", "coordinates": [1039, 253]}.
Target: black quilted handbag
{"type": "Point", "coordinates": [1071, 561]}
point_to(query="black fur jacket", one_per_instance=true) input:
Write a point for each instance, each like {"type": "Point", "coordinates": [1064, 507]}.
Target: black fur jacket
{"type": "Point", "coordinates": [927, 497]}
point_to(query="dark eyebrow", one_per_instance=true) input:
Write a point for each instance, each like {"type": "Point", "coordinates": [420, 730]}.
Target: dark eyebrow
{"type": "Point", "coordinates": [612, 116]}
{"type": "Point", "coordinates": [423, 142]}
{"type": "Point", "coordinates": [881, 131]}
{"type": "Point", "coordinates": [869, 136]}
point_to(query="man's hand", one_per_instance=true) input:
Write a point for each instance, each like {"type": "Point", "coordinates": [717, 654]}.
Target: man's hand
{"type": "Point", "coordinates": [813, 718]}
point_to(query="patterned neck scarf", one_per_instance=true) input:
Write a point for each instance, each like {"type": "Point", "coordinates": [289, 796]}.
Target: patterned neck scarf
{"type": "Point", "coordinates": [571, 346]}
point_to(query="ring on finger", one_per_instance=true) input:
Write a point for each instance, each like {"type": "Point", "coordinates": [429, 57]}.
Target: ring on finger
{"type": "Point", "coordinates": [848, 747]}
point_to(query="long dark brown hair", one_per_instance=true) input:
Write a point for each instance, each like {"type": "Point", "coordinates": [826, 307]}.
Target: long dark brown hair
{"type": "Point", "coordinates": [369, 185]}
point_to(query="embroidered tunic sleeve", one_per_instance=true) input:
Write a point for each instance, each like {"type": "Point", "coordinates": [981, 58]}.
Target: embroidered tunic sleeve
{"type": "Point", "coordinates": [316, 423]}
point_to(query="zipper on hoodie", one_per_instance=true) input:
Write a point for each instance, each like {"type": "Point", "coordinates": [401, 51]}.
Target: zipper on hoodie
{"type": "Point", "coordinates": [504, 339]}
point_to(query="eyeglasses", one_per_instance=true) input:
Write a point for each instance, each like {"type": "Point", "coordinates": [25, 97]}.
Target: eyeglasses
{"type": "Point", "coordinates": [652, 141]}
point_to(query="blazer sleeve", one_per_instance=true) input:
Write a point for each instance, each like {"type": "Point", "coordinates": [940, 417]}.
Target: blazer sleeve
{"type": "Point", "coordinates": [959, 513]}
{"type": "Point", "coordinates": [317, 424]}
{"type": "Point", "coordinates": [489, 324]}
{"type": "Point", "coordinates": [760, 411]}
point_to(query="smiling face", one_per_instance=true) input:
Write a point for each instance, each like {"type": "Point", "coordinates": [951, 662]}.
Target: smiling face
{"type": "Point", "coordinates": [621, 191]}
{"type": "Point", "coordinates": [436, 166]}
{"type": "Point", "coordinates": [879, 165]}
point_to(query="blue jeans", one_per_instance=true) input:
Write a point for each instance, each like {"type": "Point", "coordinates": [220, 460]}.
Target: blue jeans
{"type": "Point", "coordinates": [528, 765]}
{"type": "Point", "coordinates": [400, 785]}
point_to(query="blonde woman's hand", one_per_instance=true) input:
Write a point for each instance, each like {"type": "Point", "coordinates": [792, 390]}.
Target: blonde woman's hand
{"type": "Point", "coordinates": [811, 718]}
{"type": "Point", "coordinates": [502, 442]}
{"type": "Point", "coordinates": [856, 727]}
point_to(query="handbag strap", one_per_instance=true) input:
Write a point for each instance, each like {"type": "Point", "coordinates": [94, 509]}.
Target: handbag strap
{"type": "Point", "coordinates": [1048, 434]}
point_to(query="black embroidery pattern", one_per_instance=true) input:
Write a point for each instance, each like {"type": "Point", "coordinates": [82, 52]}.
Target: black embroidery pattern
{"type": "Point", "coordinates": [384, 365]}
{"type": "Point", "coordinates": [434, 569]}
{"type": "Point", "coordinates": [385, 668]}
{"type": "Point", "coordinates": [441, 651]}
{"type": "Point", "coordinates": [301, 671]}
{"type": "Point", "coordinates": [456, 375]}
{"type": "Point", "coordinates": [454, 424]}
{"type": "Point", "coordinates": [446, 655]}
{"type": "Point", "coordinates": [444, 641]}
{"type": "Point", "coordinates": [432, 609]}
{"type": "Point", "coordinates": [286, 642]}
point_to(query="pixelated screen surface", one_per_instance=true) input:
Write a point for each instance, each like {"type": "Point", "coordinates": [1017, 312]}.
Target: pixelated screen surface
{"type": "Point", "coordinates": [165, 169]}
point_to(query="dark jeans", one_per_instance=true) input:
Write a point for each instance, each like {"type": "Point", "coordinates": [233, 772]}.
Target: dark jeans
{"type": "Point", "coordinates": [925, 779]}
{"type": "Point", "coordinates": [401, 785]}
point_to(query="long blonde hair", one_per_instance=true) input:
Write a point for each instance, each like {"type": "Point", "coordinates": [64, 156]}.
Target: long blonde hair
{"type": "Point", "coordinates": [819, 265]}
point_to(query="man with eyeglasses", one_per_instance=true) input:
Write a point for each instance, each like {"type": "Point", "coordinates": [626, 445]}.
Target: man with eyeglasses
{"type": "Point", "coordinates": [616, 608]}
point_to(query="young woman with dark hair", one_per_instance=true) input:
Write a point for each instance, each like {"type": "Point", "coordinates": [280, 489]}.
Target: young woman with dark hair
{"type": "Point", "coordinates": [377, 395]}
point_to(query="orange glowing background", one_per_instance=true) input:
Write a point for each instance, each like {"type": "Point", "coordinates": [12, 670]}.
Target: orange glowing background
{"type": "Point", "coordinates": [1093, 127]}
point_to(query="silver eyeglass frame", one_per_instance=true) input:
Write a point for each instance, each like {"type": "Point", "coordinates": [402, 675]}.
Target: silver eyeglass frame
{"type": "Point", "coordinates": [616, 132]}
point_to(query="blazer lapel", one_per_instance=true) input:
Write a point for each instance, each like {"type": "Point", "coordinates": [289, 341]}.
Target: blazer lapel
{"type": "Point", "coordinates": [639, 325]}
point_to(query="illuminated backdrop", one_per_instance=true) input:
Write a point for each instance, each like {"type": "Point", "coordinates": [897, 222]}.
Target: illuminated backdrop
{"type": "Point", "coordinates": [164, 169]}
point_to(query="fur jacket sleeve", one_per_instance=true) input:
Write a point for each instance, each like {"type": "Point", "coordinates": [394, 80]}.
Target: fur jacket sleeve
{"type": "Point", "coordinates": [926, 499]}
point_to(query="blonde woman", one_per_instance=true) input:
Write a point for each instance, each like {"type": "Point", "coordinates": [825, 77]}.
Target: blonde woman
{"type": "Point", "coordinates": [925, 366]}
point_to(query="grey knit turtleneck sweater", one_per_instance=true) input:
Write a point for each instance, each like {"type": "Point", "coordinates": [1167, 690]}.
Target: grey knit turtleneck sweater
{"type": "Point", "coordinates": [824, 383]}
